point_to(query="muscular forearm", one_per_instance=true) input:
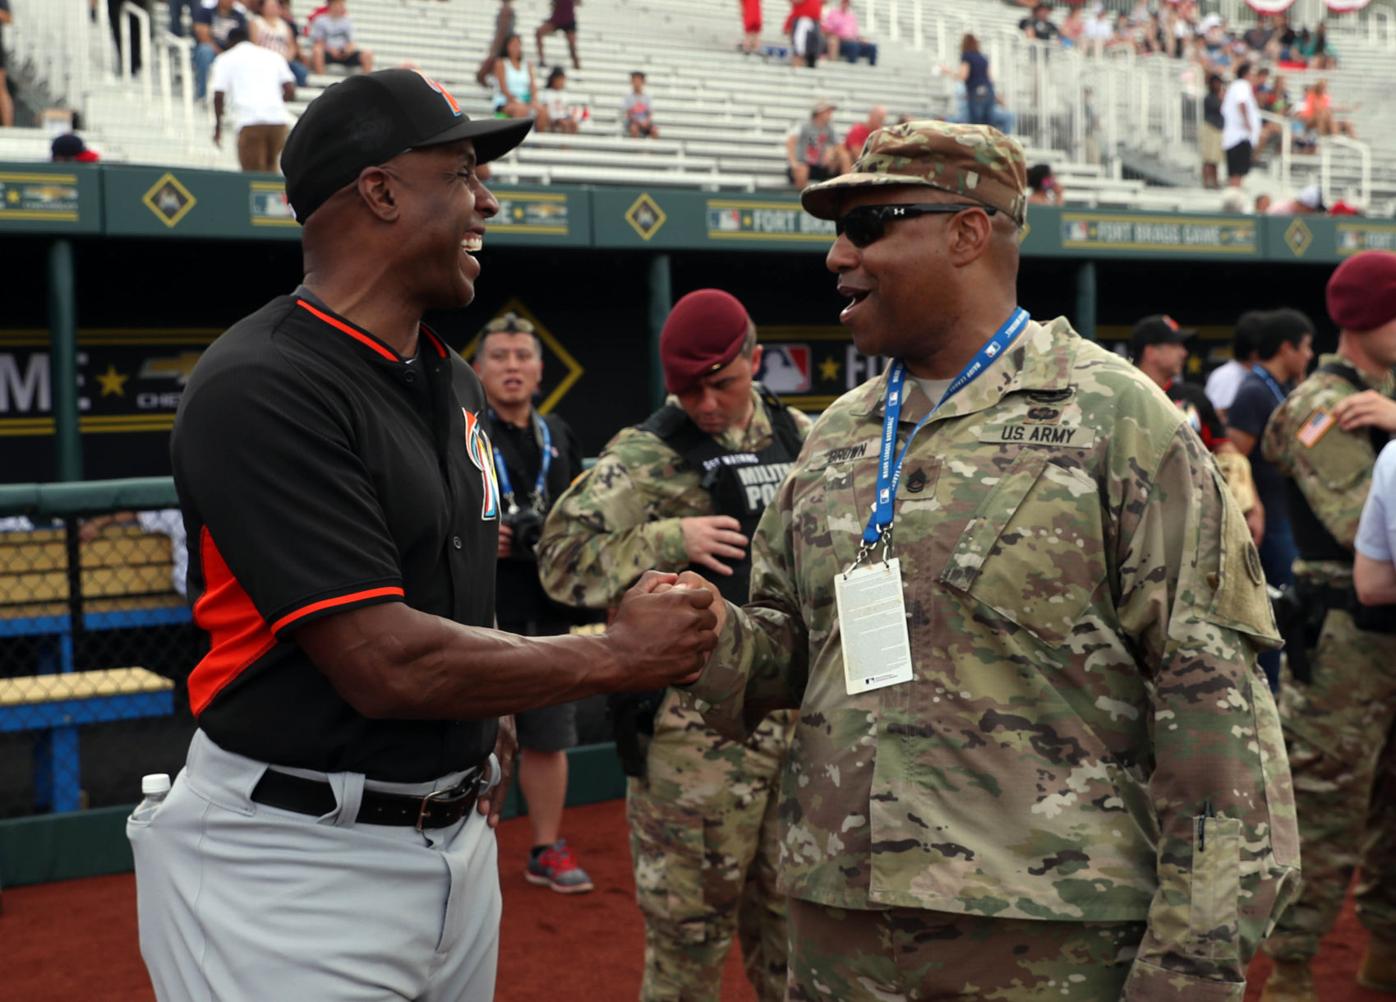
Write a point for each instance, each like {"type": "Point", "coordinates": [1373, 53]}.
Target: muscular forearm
{"type": "Point", "coordinates": [393, 662]}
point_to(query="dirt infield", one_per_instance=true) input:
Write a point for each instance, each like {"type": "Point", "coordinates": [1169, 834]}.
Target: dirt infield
{"type": "Point", "coordinates": [78, 939]}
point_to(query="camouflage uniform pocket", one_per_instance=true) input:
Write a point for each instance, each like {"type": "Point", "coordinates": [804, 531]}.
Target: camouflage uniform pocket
{"type": "Point", "coordinates": [1279, 793]}
{"type": "Point", "coordinates": [1031, 552]}
{"type": "Point", "coordinates": [1216, 887]}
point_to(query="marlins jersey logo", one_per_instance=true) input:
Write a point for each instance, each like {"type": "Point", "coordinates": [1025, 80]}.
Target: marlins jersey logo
{"type": "Point", "coordinates": [481, 453]}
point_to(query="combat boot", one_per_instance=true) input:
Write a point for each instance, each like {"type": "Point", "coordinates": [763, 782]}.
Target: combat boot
{"type": "Point", "coordinates": [1290, 981]}
{"type": "Point", "coordinates": [1378, 970]}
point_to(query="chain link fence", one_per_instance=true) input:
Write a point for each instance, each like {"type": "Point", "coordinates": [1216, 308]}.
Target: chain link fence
{"type": "Point", "coordinates": [96, 641]}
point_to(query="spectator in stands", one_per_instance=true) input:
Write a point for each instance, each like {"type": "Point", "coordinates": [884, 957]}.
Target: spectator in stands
{"type": "Point", "coordinates": [7, 106]}
{"type": "Point", "coordinates": [1233, 202]}
{"type": "Point", "coordinates": [503, 28]}
{"type": "Point", "coordinates": [1097, 33]}
{"type": "Point", "coordinates": [813, 151]}
{"type": "Point", "coordinates": [636, 111]}
{"type": "Point", "coordinates": [1308, 202]}
{"type": "Point", "coordinates": [563, 18]}
{"type": "Point", "coordinates": [858, 135]}
{"type": "Point", "coordinates": [1209, 139]}
{"type": "Point", "coordinates": [973, 72]}
{"type": "Point", "coordinates": [515, 86]}
{"type": "Point", "coordinates": [1240, 126]}
{"type": "Point", "coordinates": [751, 26]}
{"type": "Point", "coordinates": [1043, 188]}
{"type": "Point", "coordinates": [1318, 112]}
{"type": "Point", "coordinates": [271, 29]}
{"type": "Point", "coordinates": [1073, 28]}
{"type": "Point", "coordinates": [69, 148]}
{"type": "Point", "coordinates": [841, 28]}
{"type": "Point", "coordinates": [1316, 50]}
{"type": "Point", "coordinates": [211, 27]}
{"type": "Point", "coordinates": [1038, 25]}
{"type": "Point", "coordinates": [1226, 378]}
{"type": "Point", "coordinates": [559, 111]}
{"type": "Point", "coordinates": [1259, 35]}
{"type": "Point", "coordinates": [177, 9]}
{"type": "Point", "coordinates": [1262, 204]}
{"type": "Point", "coordinates": [258, 83]}
{"type": "Point", "coordinates": [802, 27]}
{"type": "Point", "coordinates": [332, 35]}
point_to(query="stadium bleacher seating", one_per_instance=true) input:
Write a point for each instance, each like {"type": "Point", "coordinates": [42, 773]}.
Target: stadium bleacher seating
{"type": "Point", "coordinates": [724, 116]}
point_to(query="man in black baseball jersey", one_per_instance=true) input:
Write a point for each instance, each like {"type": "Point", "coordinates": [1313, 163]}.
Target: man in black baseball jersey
{"type": "Point", "coordinates": [341, 502]}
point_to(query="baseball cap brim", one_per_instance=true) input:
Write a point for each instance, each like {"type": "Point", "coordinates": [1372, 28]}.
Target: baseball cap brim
{"type": "Point", "coordinates": [821, 200]}
{"type": "Point", "coordinates": [492, 137]}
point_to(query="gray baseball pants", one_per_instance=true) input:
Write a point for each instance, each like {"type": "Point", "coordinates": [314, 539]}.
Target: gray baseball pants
{"type": "Point", "coordinates": [241, 901]}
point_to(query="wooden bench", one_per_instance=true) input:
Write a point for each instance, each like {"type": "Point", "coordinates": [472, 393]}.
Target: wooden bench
{"type": "Point", "coordinates": [124, 583]}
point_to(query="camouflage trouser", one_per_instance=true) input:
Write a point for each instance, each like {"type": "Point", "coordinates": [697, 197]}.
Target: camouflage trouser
{"type": "Point", "coordinates": [1342, 754]}
{"type": "Point", "coordinates": [704, 843]}
{"type": "Point", "coordinates": [905, 954]}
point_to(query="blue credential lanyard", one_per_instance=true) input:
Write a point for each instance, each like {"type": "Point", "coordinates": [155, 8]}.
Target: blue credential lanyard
{"type": "Point", "coordinates": [545, 449]}
{"type": "Point", "coordinates": [889, 474]}
{"type": "Point", "coordinates": [1270, 381]}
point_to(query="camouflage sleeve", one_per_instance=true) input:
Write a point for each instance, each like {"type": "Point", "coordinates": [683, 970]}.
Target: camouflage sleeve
{"type": "Point", "coordinates": [1332, 467]}
{"type": "Point", "coordinates": [1192, 598]}
{"type": "Point", "coordinates": [762, 658]}
{"type": "Point", "coordinates": [600, 537]}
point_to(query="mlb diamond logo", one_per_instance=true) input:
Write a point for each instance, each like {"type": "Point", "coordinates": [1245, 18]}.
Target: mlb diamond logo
{"type": "Point", "coordinates": [169, 200]}
{"type": "Point", "coordinates": [1298, 237]}
{"type": "Point", "coordinates": [645, 216]}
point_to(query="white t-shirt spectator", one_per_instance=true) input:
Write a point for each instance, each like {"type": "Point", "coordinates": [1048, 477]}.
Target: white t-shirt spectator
{"type": "Point", "coordinates": [1224, 381]}
{"type": "Point", "coordinates": [170, 522]}
{"type": "Point", "coordinates": [335, 32]}
{"type": "Point", "coordinates": [275, 35]}
{"type": "Point", "coordinates": [251, 77]}
{"type": "Point", "coordinates": [1235, 126]}
{"type": "Point", "coordinates": [1376, 532]}
{"type": "Point", "coordinates": [1098, 27]}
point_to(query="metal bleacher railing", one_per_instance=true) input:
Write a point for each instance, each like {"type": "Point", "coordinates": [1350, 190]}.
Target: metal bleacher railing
{"type": "Point", "coordinates": [94, 632]}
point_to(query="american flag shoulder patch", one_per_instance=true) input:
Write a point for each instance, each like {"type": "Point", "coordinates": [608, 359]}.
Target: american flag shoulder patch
{"type": "Point", "coordinates": [1315, 426]}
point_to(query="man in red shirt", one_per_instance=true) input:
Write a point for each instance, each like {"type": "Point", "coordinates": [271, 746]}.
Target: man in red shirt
{"type": "Point", "coordinates": [802, 26]}
{"type": "Point", "coordinates": [858, 135]}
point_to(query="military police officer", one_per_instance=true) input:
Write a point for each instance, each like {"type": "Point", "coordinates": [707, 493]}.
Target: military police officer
{"type": "Point", "coordinates": [1019, 614]}
{"type": "Point", "coordinates": [685, 489]}
{"type": "Point", "coordinates": [1338, 721]}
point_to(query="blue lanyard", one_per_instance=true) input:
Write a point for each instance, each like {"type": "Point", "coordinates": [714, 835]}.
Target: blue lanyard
{"type": "Point", "coordinates": [1270, 381]}
{"type": "Point", "coordinates": [889, 474]}
{"type": "Point", "coordinates": [545, 449]}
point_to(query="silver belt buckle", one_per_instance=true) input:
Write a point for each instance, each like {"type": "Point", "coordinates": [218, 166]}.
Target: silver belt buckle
{"type": "Point", "coordinates": [457, 792]}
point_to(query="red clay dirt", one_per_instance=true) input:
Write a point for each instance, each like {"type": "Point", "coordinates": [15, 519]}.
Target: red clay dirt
{"type": "Point", "coordinates": [77, 939]}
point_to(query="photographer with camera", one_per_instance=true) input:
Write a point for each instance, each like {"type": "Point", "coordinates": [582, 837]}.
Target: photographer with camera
{"type": "Point", "coordinates": [535, 457]}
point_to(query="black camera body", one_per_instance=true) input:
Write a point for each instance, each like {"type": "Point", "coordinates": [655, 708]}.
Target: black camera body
{"type": "Point", "coordinates": [527, 526]}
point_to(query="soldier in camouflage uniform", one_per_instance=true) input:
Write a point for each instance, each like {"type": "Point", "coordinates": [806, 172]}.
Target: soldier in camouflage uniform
{"type": "Point", "coordinates": [1081, 792]}
{"type": "Point", "coordinates": [703, 815]}
{"type": "Point", "coordinates": [1338, 722]}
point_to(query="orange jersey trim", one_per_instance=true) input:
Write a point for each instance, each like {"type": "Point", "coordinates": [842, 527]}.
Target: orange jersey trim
{"type": "Point", "coordinates": [339, 325]}
{"type": "Point", "coordinates": [331, 603]}
{"type": "Point", "coordinates": [238, 635]}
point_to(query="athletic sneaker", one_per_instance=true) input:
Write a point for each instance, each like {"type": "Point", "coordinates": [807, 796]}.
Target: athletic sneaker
{"type": "Point", "coordinates": [557, 868]}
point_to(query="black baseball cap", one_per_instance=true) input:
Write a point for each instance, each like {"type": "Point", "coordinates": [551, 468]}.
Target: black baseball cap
{"type": "Point", "coordinates": [1158, 328]}
{"type": "Point", "coordinates": [367, 120]}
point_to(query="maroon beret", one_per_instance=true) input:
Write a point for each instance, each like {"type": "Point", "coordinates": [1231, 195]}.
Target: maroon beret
{"type": "Point", "coordinates": [1362, 291]}
{"type": "Point", "coordinates": [704, 332]}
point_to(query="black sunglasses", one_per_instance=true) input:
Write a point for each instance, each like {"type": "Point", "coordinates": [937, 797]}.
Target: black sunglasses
{"type": "Point", "coordinates": [868, 223]}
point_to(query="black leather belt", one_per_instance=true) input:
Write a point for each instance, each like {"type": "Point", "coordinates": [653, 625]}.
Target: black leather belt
{"type": "Point", "coordinates": [315, 797]}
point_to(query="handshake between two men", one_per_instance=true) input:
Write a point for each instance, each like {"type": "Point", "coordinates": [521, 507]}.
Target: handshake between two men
{"type": "Point", "coordinates": [665, 629]}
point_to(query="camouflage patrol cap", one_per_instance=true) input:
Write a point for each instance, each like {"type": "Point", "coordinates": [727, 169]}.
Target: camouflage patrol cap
{"type": "Point", "coordinates": [974, 161]}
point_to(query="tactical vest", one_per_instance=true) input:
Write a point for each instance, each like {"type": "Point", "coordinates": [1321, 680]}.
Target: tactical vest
{"type": "Point", "coordinates": [1311, 536]}
{"type": "Point", "coordinates": [741, 483]}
